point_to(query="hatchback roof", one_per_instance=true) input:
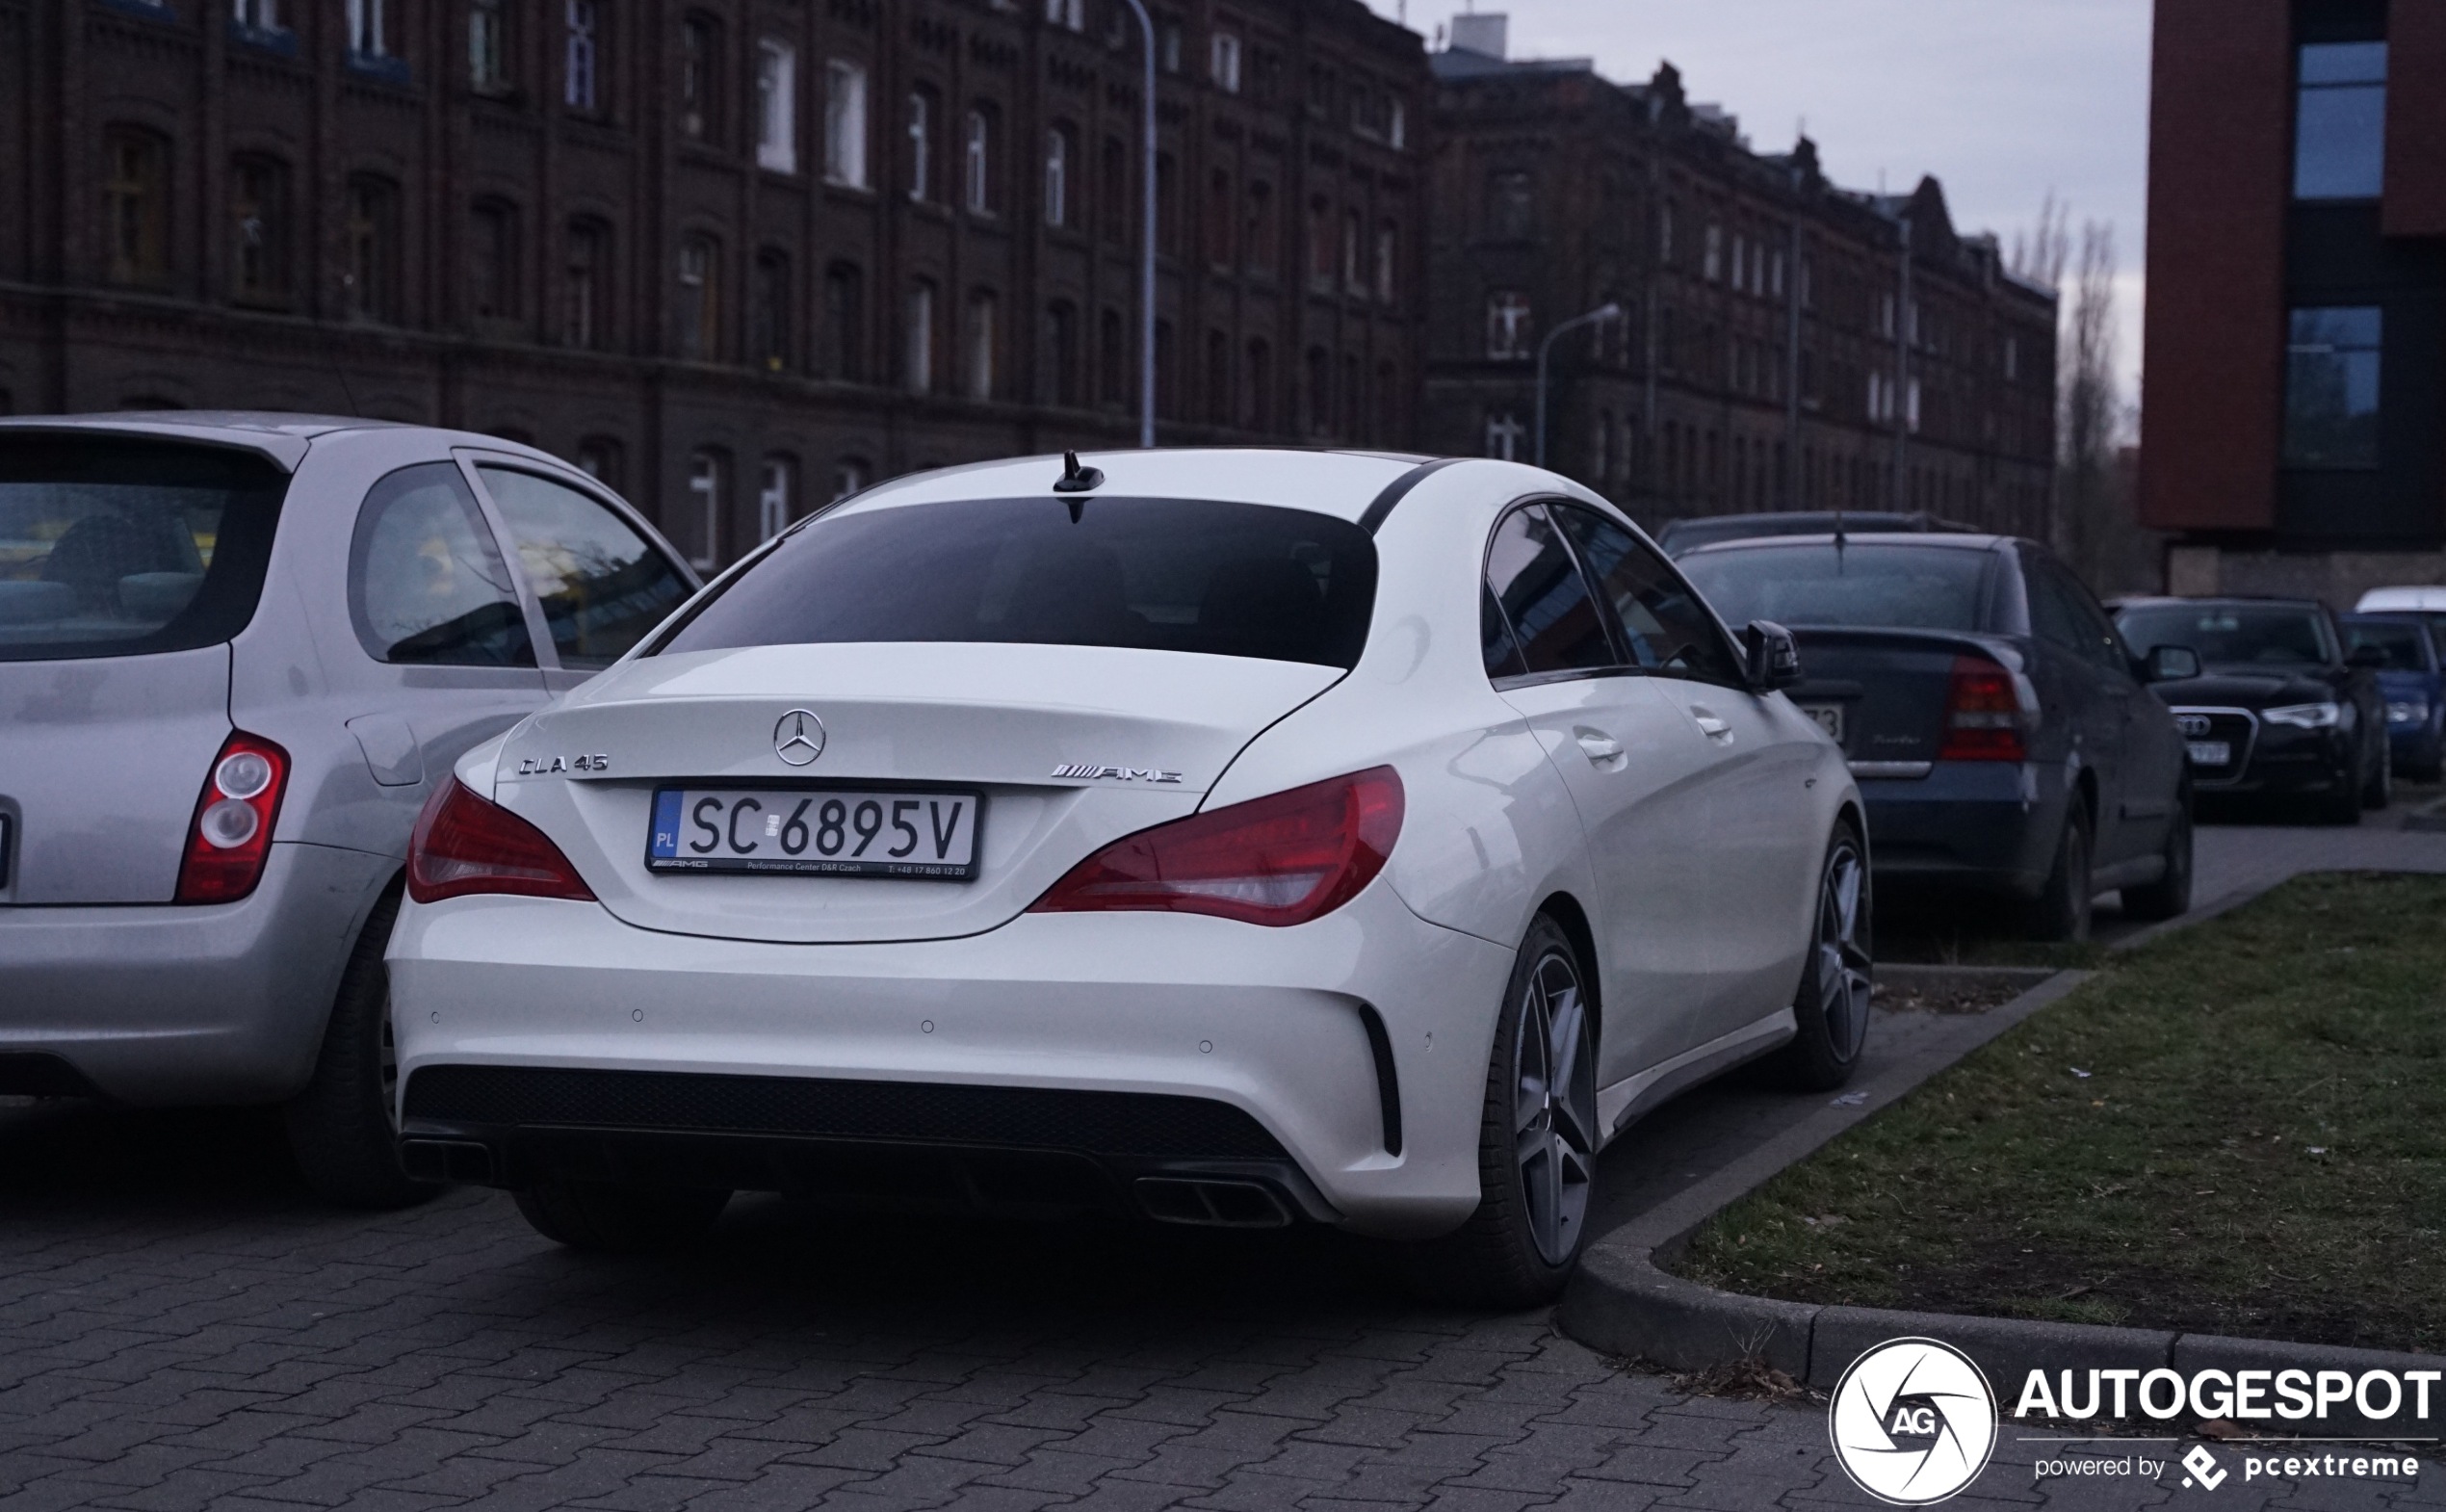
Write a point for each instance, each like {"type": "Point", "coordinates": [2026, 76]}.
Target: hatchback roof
{"type": "Point", "coordinates": [282, 435]}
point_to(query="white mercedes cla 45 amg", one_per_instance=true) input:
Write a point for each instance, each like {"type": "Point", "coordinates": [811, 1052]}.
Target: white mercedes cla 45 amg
{"type": "Point", "coordinates": [1234, 838]}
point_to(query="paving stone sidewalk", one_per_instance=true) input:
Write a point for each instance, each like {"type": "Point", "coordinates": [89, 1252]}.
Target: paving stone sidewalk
{"type": "Point", "coordinates": [176, 1337]}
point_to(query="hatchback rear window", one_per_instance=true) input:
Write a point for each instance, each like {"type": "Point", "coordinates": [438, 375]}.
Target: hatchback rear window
{"type": "Point", "coordinates": [1887, 586]}
{"type": "Point", "coordinates": [2404, 643]}
{"type": "Point", "coordinates": [120, 546]}
{"type": "Point", "coordinates": [1244, 580]}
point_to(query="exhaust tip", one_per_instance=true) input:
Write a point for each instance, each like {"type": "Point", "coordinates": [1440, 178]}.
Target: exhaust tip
{"type": "Point", "coordinates": [1211, 1204]}
{"type": "Point", "coordinates": [448, 1160]}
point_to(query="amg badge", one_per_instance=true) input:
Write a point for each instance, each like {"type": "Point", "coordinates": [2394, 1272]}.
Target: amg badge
{"type": "Point", "coordinates": [1091, 772]}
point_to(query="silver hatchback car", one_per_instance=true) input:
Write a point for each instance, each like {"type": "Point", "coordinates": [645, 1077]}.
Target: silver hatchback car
{"type": "Point", "coordinates": [235, 650]}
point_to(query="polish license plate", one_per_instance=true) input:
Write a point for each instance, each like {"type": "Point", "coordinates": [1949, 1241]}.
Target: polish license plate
{"type": "Point", "coordinates": [808, 831]}
{"type": "Point", "coordinates": [2211, 753]}
{"type": "Point", "coordinates": [1829, 717]}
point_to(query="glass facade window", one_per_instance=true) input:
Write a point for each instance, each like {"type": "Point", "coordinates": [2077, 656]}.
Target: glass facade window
{"type": "Point", "coordinates": [2339, 136]}
{"type": "Point", "coordinates": [2331, 387]}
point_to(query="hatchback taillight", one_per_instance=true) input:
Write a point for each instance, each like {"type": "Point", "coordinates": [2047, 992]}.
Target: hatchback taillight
{"type": "Point", "coordinates": [1282, 859]}
{"type": "Point", "coordinates": [464, 845]}
{"type": "Point", "coordinates": [1983, 717]}
{"type": "Point", "coordinates": [230, 836]}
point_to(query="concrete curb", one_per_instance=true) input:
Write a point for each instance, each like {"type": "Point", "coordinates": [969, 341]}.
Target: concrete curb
{"type": "Point", "coordinates": [1623, 1303]}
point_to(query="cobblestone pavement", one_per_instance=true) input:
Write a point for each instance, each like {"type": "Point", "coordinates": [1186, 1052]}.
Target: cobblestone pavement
{"type": "Point", "coordinates": [176, 1336]}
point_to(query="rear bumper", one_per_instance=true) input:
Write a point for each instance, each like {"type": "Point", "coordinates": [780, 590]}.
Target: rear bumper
{"type": "Point", "coordinates": [1050, 1058]}
{"type": "Point", "coordinates": [1987, 824]}
{"type": "Point", "coordinates": [164, 1004]}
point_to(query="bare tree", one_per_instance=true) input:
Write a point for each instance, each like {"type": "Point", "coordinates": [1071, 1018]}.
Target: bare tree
{"type": "Point", "coordinates": [2092, 524]}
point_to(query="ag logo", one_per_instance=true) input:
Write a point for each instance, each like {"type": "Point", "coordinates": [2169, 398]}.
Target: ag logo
{"type": "Point", "coordinates": [1912, 1422]}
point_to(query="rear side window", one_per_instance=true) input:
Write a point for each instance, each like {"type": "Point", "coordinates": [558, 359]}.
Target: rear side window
{"type": "Point", "coordinates": [1553, 617]}
{"type": "Point", "coordinates": [118, 546]}
{"type": "Point", "coordinates": [1666, 629]}
{"type": "Point", "coordinates": [2402, 641]}
{"type": "Point", "coordinates": [1244, 580]}
{"type": "Point", "coordinates": [426, 586]}
{"type": "Point", "coordinates": [602, 587]}
{"type": "Point", "coordinates": [1889, 587]}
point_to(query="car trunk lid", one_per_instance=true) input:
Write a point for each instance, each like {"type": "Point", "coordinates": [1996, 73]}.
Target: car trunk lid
{"type": "Point", "coordinates": [1892, 687]}
{"type": "Point", "coordinates": [1069, 749]}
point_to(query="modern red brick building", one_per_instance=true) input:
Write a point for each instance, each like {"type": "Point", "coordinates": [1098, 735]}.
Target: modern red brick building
{"type": "Point", "coordinates": [2294, 400]}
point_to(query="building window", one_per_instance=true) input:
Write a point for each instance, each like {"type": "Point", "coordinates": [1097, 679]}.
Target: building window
{"type": "Point", "coordinates": [1321, 242]}
{"type": "Point", "coordinates": [1388, 405]}
{"type": "Point", "coordinates": [1070, 14]}
{"type": "Point", "coordinates": [1510, 202]}
{"type": "Point", "coordinates": [1167, 46]}
{"type": "Point", "coordinates": [1398, 124]}
{"type": "Point", "coordinates": [599, 459]}
{"type": "Point", "coordinates": [1711, 263]}
{"type": "Point", "coordinates": [983, 314]}
{"type": "Point", "coordinates": [700, 61]}
{"type": "Point", "coordinates": [135, 204]}
{"type": "Point", "coordinates": [259, 18]}
{"type": "Point", "coordinates": [1224, 63]}
{"type": "Point", "coordinates": [492, 261]}
{"type": "Point", "coordinates": [2011, 359]}
{"type": "Point", "coordinates": [1504, 434]}
{"type": "Point", "coordinates": [705, 490]}
{"type": "Point", "coordinates": [259, 229]}
{"type": "Point", "coordinates": [369, 35]}
{"type": "Point", "coordinates": [848, 475]}
{"type": "Point", "coordinates": [579, 53]}
{"type": "Point", "coordinates": [1320, 399]}
{"type": "Point", "coordinates": [1114, 192]}
{"type": "Point", "coordinates": [2339, 134]}
{"type": "Point", "coordinates": [1058, 155]}
{"type": "Point", "coordinates": [1167, 205]}
{"type": "Point", "coordinates": [777, 106]}
{"type": "Point", "coordinates": [920, 133]}
{"type": "Point", "coordinates": [1257, 413]}
{"type": "Point", "coordinates": [698, 309]}
{"type": "Point", "coordinates": [1218, 219]}
{"type": "Point", "coordinates": [845, 123]}
{"type": "Point", "coordinates": [1262, 237]}
{"type": "Point", "coordinates": [1388, 260]}
{"type": "Point", "coordinates": [1353, 278]}
{"type": "Point", "coordinates": [770, 316]}
{"type": "Point", "coordinates": [918, 364]}
{"type": "Point", "coordinates": [1062, 350]}
{"type": "Point", "coordinates": [977, 163]}
{"type": "Point", "coordinates": [2331, 387]}
{"type": "Point", "coordinates": [489, 45]}
{"type": "Point", "coordinates": [775, 497]}
{"type": "Point", "coordinates": [1112, 357]}
{"type": "Point", "coordinates": [844, 315]}
{"type": "Point", "coordinates": [585, 285]}
{"type": "Point", "coordinates": [1507, 322]}
{"type": "Point", "coordinates": [370, 285]}
{"type": "Point", "coordinates": [1218, 378]}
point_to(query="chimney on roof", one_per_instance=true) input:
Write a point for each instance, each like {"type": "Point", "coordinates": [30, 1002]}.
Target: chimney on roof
{"type": "Point", "coordinates": [1483, 34]}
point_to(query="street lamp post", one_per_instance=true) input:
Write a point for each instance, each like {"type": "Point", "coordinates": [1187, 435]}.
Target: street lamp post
{"type": "Point", "coordinates": [1609, 311]}
{"type": "Point", "coordinates": [1146, 242]}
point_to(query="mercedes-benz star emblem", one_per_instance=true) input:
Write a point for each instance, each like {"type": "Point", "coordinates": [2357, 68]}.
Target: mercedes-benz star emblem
{"type": "Point", "coordinates": [799, 738]}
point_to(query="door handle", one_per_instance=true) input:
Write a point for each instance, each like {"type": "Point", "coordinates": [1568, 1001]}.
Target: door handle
{"type": "Point", "coordinates": [1601, 749]}
{"type": "Point", "coordinates": [1714, 728]}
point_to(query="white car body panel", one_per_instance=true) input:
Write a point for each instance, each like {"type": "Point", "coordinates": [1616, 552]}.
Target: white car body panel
{"type": "Point", "coordinates": [2417, 600]}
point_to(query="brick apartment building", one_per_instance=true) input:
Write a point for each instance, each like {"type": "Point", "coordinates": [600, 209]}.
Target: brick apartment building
{"type": "Point", "coordinates": [1779, 350]}
{"type": "Point", "coordinates": [735, 256]}
{"type": "Point", "coordinates": [2294, 400]}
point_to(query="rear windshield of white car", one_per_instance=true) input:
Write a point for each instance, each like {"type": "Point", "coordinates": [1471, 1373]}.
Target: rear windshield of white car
{"type": "Point", "coordinates": [1245, 579]}
{"type": "Point", "coordinates": [118, 546]}
{"type": "Point", "coordinates": [1884, 587]}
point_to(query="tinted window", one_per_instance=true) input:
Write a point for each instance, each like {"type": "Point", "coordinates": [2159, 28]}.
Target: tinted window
{"type": "Point", "coordinates": [2404, 643]}
{"type": "Point", "coordinates": [426, 586]}
{"type": "Point", "coordinates": [1494, 634]}
{"type": "Point", "coordinates": [603, 587]}
{"type": "Point", "coordinates": [1553, 615]}
{"type": "Point", "coordinates": [1915, 588]}
{"type": "Point", "coordinates": [1243, 580]}
{"type": "Point", "coordinates": [2230, 634]}
{"type": "Point", "coordinates": [1664, 627]}
{"type": "Point", "coordinates": [113, 546]}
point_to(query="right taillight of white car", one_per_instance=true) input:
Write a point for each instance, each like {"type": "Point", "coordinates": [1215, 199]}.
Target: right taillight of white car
{"type": "Point", "coordinates": [464, 845]}
{"type": "Point", "coordinates": [1283, 859]}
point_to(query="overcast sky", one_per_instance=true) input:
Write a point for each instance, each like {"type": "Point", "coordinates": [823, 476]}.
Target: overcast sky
{"type": "Point", "coordinates": [2002, 100]}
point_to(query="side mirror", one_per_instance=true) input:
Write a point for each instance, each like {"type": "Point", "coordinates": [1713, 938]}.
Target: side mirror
{"type": "Point", "coordinates": [2370, 656]}
{"type": "Point", "coordinates": [1772, 660]}
{"type": "Point", "coordinates": [2171, 663]}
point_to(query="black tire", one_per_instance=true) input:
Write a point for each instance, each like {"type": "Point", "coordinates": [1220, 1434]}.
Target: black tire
{"type": "Point", "coordinates": [2379, 790]}
{"type": "Point", "coordinates": [1831, 1005]}
{"type": "Point", "coordinates": [2169, 896]}
{"type": "Point", "coordinates": [619, 1220]}
{"type": "Point", "coordinates": [342, 1128]}
{"type": "Point", "coordinates": [2061, 912]}
{"type": "Point", "coordinates": [1519, 1247]}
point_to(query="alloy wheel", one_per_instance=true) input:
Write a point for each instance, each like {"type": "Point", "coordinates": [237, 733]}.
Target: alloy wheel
{"type": "Point", "coordinates": [1844, 961]}
{"type": "Point", "coordinates": [1554, 1106]}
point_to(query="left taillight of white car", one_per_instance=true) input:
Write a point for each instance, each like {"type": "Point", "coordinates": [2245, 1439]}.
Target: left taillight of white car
{"type": "Point", "coordinates": [465, 844]}
{"type": "Point", "coordinates": [230, 836]}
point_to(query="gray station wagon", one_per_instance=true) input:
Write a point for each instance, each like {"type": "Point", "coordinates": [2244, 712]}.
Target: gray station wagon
{"type": "Point", "coordinates": [236, 650]}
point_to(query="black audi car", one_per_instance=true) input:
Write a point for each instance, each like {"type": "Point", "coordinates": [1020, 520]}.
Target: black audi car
{"type": "Point", "coordinates": [2280, 708]}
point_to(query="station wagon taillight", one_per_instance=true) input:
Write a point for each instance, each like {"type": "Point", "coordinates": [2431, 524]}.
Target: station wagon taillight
{"type": "Point", "coordinates": [1282, 859]}
{"type": "Point", "coordinates": [230, 836]}
{"type": "Point", "coordinates": [1983, 717]}
{"type": "Point", "coordinates": [465, 844]}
